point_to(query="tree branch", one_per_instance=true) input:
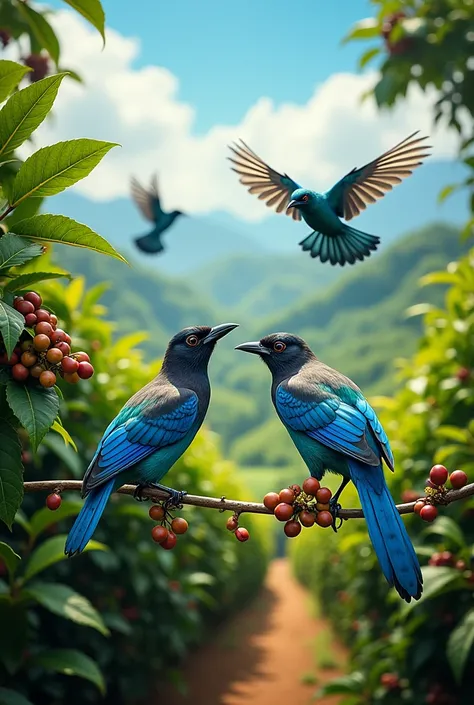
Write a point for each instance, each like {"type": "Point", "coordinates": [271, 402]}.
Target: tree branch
{"type": "Point", "coordinates": [224, 504]}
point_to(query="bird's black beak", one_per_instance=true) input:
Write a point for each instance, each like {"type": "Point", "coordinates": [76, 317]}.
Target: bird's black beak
{"type": "Point", "coordinates": [218, 332]}
{"type": "Point", "coordinates": [292, 204]}
{"type": "Point", "coordinates": [254, 347]}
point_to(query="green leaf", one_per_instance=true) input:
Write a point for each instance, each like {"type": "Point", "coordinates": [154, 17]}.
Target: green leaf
{"type": "Point", "coordinates": [446, 192]}
{"type": "Point", "coordinates": [453, 433]}
{"type": "Point", "coordinates": [11, 325]}
{"type": "Point", "coordinates": [47, 227]}
{"type": "Point", "coordinates": [53, 169]}
{"type": "Point", "coordinates": [11, 74]}
{"type": "Point", "coordinates": [36, 409]}
{"type": "Point", "coordinates": [51, 552]}
{"type": "Point", "coordinates": [93, 12]}
{"type": "Point", "coordinates": [439, 278]}
{"type": "Point", "coordinates": [24, 281]}
{"type": "Point", "coordinates": [59, 428]}
{"type": "Point", "coordinates": [448, 530]}
{"type": "Point", "coordinates": [365, 29]}
{"type": "Point", "coordinates": [65, 453]}
{"type": "Point", "coordinates": [460, 644]}
{"type": "Point", "coordinates": [11, 473]}
{"type": "Point", "coordinates": [436, 581]}
{"type": "Point", "coordinates": [367, 56]}
{"type": "Point", "coordinates": [25, 111]}
{"type": "Point", "coordinates": [44, 517]}
{"type": "Point", "coordinates": [71, 663]}
{"type": "Point", "coordinates": [9, 557]}
{"type": "Point", "coordinates": [345, 685]}
{"type": "Point", "coordinates": [65, 602]}
{"type": "Point", "coordinates": [27, 208]}
{"type": "Point", "coordinates": [15, 251]}
{"type": "Point", "coordinates": [41, 29]}
{"type": "Point", "coordinates": [12, 697]}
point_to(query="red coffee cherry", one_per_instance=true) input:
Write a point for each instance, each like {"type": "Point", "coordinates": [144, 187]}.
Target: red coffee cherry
{"type": "Point", "coordinates": [24, 307]}
{"type": "Point", "coordinates": [41, 342]}
{"type": "Point", "coordinates": [20, 373]}
{"type": "Point", "coordinates": [179, 525]}
{"type": "Point", "coordinates": [438, 474]}
{"type": "Point", "coordinates": [28, 359]}
{"type": "Point", "coordinates": [30, 320]}
{"type": "Point", "coordinates": [42, 314]}
{"type": "Point", "coordinates": [36, 371]}
{"type": "Point", "coordinates": [170, 542]}
{"type": "Point", "coordinates": [458, 479]}
{"type": "Point", "coordinates": [419, 506]}
{"type": "Point", "coordinates": [156, 512]}
{"type": "Point", "coordinates": [283, 511]}
{"type": "Point", "coordinates": [69, 365]}
{"type": "Point", "coordinates": [82, 356]}
{"type": "Point", "coordinates": [287, 496]}
{"type": "Point", "coordinates": [34, 298]}
{"type": "Point", "coordinates": [307, 518]}
{"type": "Point", "coordinates": [71, 378]}
{"type": "Point", "coordinates": [323, 495]}
{"type": "Point", "coordinates": [47, 379]}
{"type": "Point", "coordinates": [45, 328]}
{"type": "Point", "coordinates": [271, 500]}
{"type": "Point", "coordinates": [324, 519]}
{"type": "Point", "coordinates": [242, 534]}
{"type": "Point", "coordinates": [311, 485]}
{"type": "Point", "coordinates": [85, 370]}
{"type": "Point", "coordinates": [292, 528]}
{"type": "Point", "coordinates": [53, 501]}
{"type": "Point", "coordinates": [159, 534]}
{"type": "Point", "coordinates": [64, 347]}
{"type": "Point", "coordinates": [429, 513]}
{"type": "Point", "coordinates": [54, 356]}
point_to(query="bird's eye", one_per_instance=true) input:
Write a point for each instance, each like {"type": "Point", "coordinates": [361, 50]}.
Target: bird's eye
{"type": "Point", "coordinates": [192, 341]}
{"type": "Point", "coordinates": [279, 346]}
{"type": "Point", "coordinates": [305, 197]}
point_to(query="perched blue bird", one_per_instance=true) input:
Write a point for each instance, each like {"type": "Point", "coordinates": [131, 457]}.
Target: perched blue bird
{"type": "Point", "coordinates": [334, 428]}
{"type": "Point", "coordinates": [331, 239]}
{"type": "Point", "coordinates": [152, 430]}
{"type": "Point", "coordinates": [149, 204]}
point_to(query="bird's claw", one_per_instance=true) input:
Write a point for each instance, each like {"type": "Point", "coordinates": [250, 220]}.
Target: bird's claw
{"type": "Point", "coordinates": [334, 508]}
{"type": "Point", "coordinates": [138, 493]}
{"type": "Point", "coordinates": [175, 499]}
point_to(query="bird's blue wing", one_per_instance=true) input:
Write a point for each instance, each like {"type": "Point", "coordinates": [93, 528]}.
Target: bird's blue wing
{"type": "Point", "coordinates": [362, 186]}
{"type": "Point", "coordinates": [271, 186]}
{"type": "Point", "coordinates": [329, 420]}
{"type": "Point", "coordinates": [147, 201]}
{"type": "Point", "coordinates": [136, 433]}
{"type": "Point", "coordinates": [377, 428]}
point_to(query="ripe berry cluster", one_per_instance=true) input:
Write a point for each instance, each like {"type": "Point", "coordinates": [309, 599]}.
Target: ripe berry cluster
{"type": "Point", "coordinates": [48, 352]}
{"type": "Point", "coordinates": [301, 507]}
{"type": "Point", "coordinates": [39, 65]}
{"type": "Point", "coordinates": [167, 531]}
{"type": "Point", "coordinates": [241, 534]}
{"type": "Point", "coordinates": [435, 490]}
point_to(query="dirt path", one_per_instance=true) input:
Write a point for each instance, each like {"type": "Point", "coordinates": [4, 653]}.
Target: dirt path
{"type": "Point", "coordinates": [272, 652]}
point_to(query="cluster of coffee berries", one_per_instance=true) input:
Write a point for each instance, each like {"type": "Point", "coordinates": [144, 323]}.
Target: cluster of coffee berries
{"type": "Point", "coordinates": [39, 65]}
{"type": "Point", "coordinates": [241, 533]}
{"type": "Point", "coordinates": [167, 531]}
{"type": "Point", "coordinates": [435, 491]}
{"type": "Point", "coordinates": [47, 352]}
{"type": "Point", "coordinates": [399, 46]}
{"type": "Point", "coordinates": [301, 507]}
{"type": "Point", "coordinates": [53, 501]}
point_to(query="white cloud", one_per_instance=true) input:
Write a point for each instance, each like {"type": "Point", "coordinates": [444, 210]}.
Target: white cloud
{"type": "Point", "coordinates": [316, 142]}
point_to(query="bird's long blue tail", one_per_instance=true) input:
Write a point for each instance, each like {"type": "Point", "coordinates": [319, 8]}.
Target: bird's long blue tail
{"type": "Point", "coordinates": [88, 518]}
{"type": "Point", "coordinates": [346, 247]}
{"type": "Point", "coordinates": [387, 531]}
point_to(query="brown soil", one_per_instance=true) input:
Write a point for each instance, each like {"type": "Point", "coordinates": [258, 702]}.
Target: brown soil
{"type": "Point", "coordinates": [272, 652]}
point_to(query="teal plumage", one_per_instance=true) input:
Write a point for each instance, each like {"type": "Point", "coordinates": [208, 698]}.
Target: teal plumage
{"type": "Point", "coordinates": [149, 204]}
{"type": "Point", "coordinates": [334, 428]}
{"type": "Point", "coordinates": [331, 239]}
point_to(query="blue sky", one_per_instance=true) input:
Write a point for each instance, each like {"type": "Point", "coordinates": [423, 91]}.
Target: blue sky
{"type": "Point", "coordinates": [179, 80]}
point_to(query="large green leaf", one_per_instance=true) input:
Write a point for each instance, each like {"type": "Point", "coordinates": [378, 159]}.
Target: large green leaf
{"type": "Point", "coordinates": [41, 29]}
{"type": "Point", "coordinates": [92, 10]}
{"type": "Point", "coordinates": [448, 530]}
{"type": "Point", "coordinates": [12, 697]}
{"type": "Point", "coordinates": [436, 581]}
{"type": "Point", "coordinates": [26, 209]}
{"type": "Point", "coordinates": [11, 473]}
{"type": "Point", "coordinates": [58, 228]}
{"type": "Point", "coordinates": [15, 251]}
{"type": "Point", "coordinates": [53, 169]}
{"type": "Point", "coordinates": [51, 552]}
{"type": "Point", "coordinates": [11, 74]}
{"type": "Point", "coordinates": [460, 644]}
{"type": "Point", "coordinates": [44, 517]}
{"type": "Point", "coordinates": [11, 325]}
{"type": "Point", "coordinates": [345, 685]}
{"type": "Point", "coordinates": [9, 557]}
{"type": "Point", "coordinates": [25, 111]}
{"type": "Point", "coordinates": [36, 408]}
{"type": "Point", "coordinates": [71, 663]}
{"type": "Point", "coordinates": [24, 281]}
{"type": "Point", "coordinates": [62, 600]}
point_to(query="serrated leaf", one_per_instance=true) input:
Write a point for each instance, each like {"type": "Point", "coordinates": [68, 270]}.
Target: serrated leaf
{"type": "Point", "coordinates": [58, 428]}
{"type": "Point", "coordinates": [36, 409]}
{"type": "Point", "coordinates": [13, 697]}
{"type": "Point", "coordinates": [41, 29]}
{"type": "Point", "coordinates": [14, 251]}
{"type": "Point", "coordinates": [11, 473]}
{"type": "Point", "coordinates": [11, 74]}
{"type": "Point", "coordinates": [53, 169]}
{"type": "Point", "coordinates": [93, 11]}
{"type": "Point", "coordinates": [71, 663]}
{"type": "Point", "coordinates": [460, 644]}
{"type": "Point", "coordinates": [25, 111]}
{"type": "Point", "coordinates": [24, 281]}
{"type": "Point", "coordinates": [51, 552]}
{"type": "Point", "coordinates": [67, 603]}
{"type": "Point", "coordinates": [9, 557]}
{"type": "Point", "coordinates": [11, 325]}
{"type": "Point", "coordinates": [44, 517]}
{"type": "Point", "coordinates": [48, 227]}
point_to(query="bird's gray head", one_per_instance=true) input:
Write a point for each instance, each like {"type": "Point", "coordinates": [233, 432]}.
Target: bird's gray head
{"type": "Point", "coordinates": [300, 198]}
{"type": "Point", "coordinates": [284, 353]}
{"type": "Point", "coordinates": [192, 347]}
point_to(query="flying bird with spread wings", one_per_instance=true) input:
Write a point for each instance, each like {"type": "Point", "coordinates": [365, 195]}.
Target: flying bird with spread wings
{"type": "Point", "coordinates": [331, 239]}
{"type": "Point", "coordinates": [149, 204]}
